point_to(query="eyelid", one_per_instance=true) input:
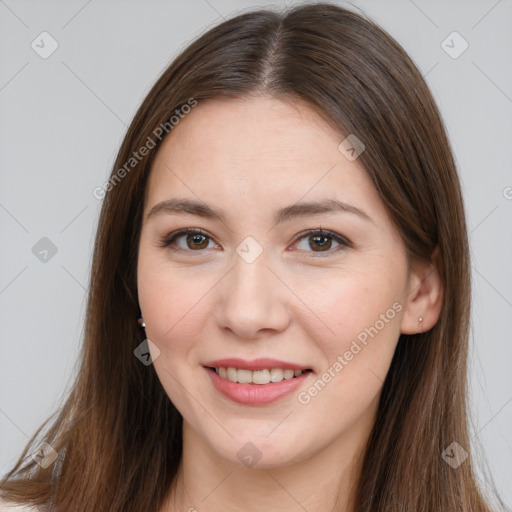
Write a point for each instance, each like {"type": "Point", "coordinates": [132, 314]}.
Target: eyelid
{"type": "Point", "coordinates": [343, 241]}
{"type": "Point", "coordinates": [167, 240]}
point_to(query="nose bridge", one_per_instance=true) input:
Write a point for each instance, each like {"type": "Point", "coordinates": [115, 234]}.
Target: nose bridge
{"type": "Point", "coordinates": [250, 271]}
{"type": "Point", "coordinates": [251, 296]}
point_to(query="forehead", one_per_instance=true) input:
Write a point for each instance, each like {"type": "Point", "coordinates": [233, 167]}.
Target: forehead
{"type": "Point", "coordinates": [259, 129]}
{"type": "Point", "coordinates": [257, 151]}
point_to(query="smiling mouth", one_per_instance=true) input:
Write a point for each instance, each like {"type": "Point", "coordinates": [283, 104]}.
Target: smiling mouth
{"type": "Point", "coordinates": [260, 377]}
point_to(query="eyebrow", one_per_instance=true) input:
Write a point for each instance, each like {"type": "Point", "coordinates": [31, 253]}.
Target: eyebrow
{"type": "Point", "coordinates": [192, 207]}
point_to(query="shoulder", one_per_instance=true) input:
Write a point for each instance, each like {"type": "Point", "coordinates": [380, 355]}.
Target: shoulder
{"type": "Point", "coordinates": [15, 507]}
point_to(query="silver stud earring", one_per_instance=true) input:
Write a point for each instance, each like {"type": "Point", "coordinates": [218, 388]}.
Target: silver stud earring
{"type": "Point", "coordinates": [141, 322]}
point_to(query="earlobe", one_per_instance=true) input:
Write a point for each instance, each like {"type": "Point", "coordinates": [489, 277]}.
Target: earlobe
{"type": "Point", "coordinates": [425, 295]}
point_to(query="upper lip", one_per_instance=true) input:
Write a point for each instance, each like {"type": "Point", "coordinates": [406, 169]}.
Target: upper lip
{"type": "Point", "coordinates": [254, 364]}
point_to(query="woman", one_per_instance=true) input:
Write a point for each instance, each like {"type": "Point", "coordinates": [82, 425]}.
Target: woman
{"type": "Point", "coordinates": [279, 301]}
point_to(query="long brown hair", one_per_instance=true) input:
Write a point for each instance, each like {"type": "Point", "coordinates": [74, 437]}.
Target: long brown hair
{"type": "Point", "coordinates": [118, 434]}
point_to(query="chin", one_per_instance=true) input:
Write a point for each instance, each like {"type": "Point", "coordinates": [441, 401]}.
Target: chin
{"type": "Point", "coordinates": [260, 451]}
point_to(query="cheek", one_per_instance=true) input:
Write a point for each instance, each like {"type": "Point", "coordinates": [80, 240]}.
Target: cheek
{"type": "Point", "coordinates": [172, 302]}
{"type": "Point", "coordinates": [364, 314]}
{"type": "Point", "coordinates": [168, 310]}
{"type": "Point", "coordinates": [356, 307]}
{"type": "Point", "coordinates": [164, 302]}
{"type": "Point", "coordinates": [173, 310]}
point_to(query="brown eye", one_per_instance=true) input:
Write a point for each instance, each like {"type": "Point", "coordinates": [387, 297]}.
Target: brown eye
{"type": "Point", "coordinates": [191, 240]}
{"type": "Point", "coordinates": [321, 241]}
{"type": "Point", "coordinates": [197, 241]}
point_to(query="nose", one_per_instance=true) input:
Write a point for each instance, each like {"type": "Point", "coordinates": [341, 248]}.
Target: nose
{"type": "Point", "coordinates": [252, 301]}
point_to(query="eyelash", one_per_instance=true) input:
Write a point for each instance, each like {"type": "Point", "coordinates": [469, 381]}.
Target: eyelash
{"type": "Point", "coordinates": [342, 241]}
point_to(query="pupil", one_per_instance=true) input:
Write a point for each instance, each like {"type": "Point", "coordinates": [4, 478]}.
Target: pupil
{"type": "Point", "coordinates": [322, 242]}
{"type": "Point", "coordinates": [197, 240]}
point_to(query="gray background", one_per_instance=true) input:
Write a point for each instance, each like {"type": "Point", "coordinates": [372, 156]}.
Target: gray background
{"type": "Point", "coordinates": [61, 122]}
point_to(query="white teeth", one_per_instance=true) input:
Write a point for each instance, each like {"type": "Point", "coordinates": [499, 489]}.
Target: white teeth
{"type": "Point", "coordinates": [288, 374]}
{"type": "Point", "coordinates": [276, 375]}
{"type": "Point", "coordinates": [232, 374]}
{"type": "Point", "coordinates": [257, 376]}
{"type": "Point", "coordinates": [244, 376]}
{"type": "Point", "coordinates": [260, 376]}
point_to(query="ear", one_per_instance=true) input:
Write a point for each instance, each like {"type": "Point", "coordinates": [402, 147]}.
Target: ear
{"type": "Point", "coordinates": [425, 295]}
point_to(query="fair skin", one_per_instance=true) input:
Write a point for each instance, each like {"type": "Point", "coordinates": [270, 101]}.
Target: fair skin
{"type": "Point", "coordinates": [295, 302]}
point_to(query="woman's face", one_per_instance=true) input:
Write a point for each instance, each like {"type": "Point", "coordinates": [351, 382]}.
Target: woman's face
{"type": "Point", "coordinates": [261, 289]}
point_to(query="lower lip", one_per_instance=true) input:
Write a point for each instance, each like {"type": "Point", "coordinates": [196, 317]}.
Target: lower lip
{"type": "Point", "coordinates": [254, 394]}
